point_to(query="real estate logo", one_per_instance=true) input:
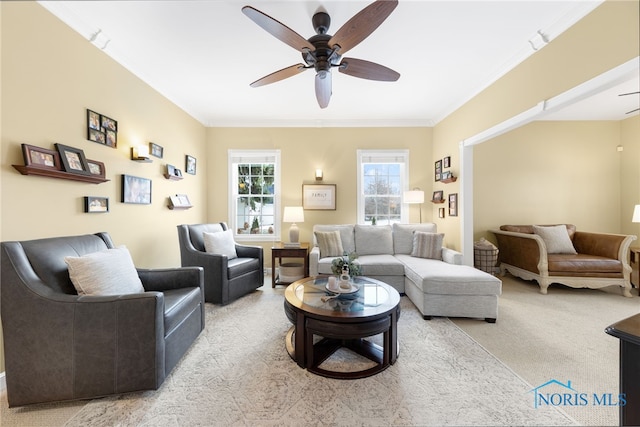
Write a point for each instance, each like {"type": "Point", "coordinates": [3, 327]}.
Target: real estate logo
{"type": "Point", "coordinates": [556, 393]}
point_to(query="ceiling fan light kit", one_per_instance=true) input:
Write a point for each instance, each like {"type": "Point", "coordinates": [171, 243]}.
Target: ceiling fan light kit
{"type": "Point", "coordinates": [322, 52]}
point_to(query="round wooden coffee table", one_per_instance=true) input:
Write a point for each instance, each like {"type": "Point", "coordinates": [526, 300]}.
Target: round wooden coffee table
{"type": "Point", "coordinates": [344, 320]}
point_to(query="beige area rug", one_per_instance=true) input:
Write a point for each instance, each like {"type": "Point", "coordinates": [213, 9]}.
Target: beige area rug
{"type": "Point", "coordinates": [560, 336]}
{"type": "Point", "coordinates": [238, 373]}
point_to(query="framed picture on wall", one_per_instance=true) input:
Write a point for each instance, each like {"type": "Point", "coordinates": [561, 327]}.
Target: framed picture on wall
{"type": "Point", "coordinates": [40, 157]}
{"type": "Point", "coordinates": [96, 204]}
{"type": "Point", "coordinates": [438, 170]}
{"type": "Point", "coordinates": [190, 166]}
{"type": "Point", "coordinates": [136, 190]}
{"type": "Point", "coordinates": [453, 204]}
{"type": "Point", "coordinates": [446, 162]}
{"type": "Point", "coordinates": [319, 197]}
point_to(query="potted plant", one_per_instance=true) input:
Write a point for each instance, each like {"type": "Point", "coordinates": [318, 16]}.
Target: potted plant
{"type": "Point", "coordinates": [346, 260]}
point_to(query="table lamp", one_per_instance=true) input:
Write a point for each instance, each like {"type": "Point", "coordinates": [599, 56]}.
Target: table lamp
{"type": "Point", "coordinates": [293, 214]}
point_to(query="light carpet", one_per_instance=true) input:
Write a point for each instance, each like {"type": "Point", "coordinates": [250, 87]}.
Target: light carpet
{"type": "Point", "coordinates": [238, 373]}
{"type": "Point", "coordinates": [560, 336]}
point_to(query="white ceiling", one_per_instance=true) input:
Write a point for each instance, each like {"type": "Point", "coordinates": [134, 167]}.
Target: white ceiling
{"type": "Point", "coordinates": [202, 55]}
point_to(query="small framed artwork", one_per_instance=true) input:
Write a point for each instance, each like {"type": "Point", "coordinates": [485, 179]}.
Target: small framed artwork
{"type": "Point", "coordinates": [190, 166]}
{"type": "Point", "coordinates": [97, 136]}
{"type": "Point", "coordinates": [180, 201]}
{"type": "Point", "coordinates": [102, 129]}
{"type": "Point", "coordinates": [73, 159]}
{"type": "Point", "coordinates": [438, 170]}
{"type": "Point", "coordinates": [438, 196]}
{"type": "Point", "coordinates": [445, 175]}
{"type": "Point", "coordinates": [96, 204]}
{"type": "Point", "coordinates": [453, 204]}
{"type": "Point", "coordinates": [441, 213]}
{"type": "Point", "coordinates": [93, 120]}
{"type": "Point", "coordinates": [96, 168]}
{"type": "Point", "coordinates": [156, 150]}
{"type": "Point", "coordinates": [40, 157]}
{"type": "Point", "coordinates": [446, 162]}
{"type": "Point", "coordinates": [109, 124]}
{"type": "Point", "coordinates": [174, 172]}
{"type": "Point", "coordinates": [319, 197]}
{"type": "Point", "coordinates": [111, 138]}
{"type": "Point", "coordinates": [136, 190]}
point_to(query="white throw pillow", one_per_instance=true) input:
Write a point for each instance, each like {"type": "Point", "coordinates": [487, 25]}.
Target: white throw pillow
{"type": "Point", "coordinates": [220, 243]}
{"type": "Point", "coordinates": [330, 243]}
{"type": "Point", "coordinates": [427, 245]}
{"type": "Point", "coordinates": [108, 272]}
{"type": "Point", "coordinates": [556, 239]}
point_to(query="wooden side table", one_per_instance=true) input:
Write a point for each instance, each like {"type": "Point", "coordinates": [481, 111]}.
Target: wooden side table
{"type": "Point", "coordinates": [279, 251]}
{"type": "Point", "coordinates": [634, 260]}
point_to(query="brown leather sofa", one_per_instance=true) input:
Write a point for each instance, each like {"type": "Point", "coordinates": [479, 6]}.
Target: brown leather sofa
{"type": "Point", "coordinates": [601, 258]}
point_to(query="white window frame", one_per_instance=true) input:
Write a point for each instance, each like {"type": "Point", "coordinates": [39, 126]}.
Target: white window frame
{"type": "Point", "coordinates": [253, 156]}
{"type": "Point", "coordinates": [383, 156]}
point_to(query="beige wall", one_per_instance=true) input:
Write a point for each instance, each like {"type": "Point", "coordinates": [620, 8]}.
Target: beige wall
{"type": "Point", "coordinates": [629, 175]}
{"type": "Point", "coordinates": [550, 172]}
{"type": "Point", "coordinates": [305, 149]}
{"type": "Point", "coordinates": [604, 39]}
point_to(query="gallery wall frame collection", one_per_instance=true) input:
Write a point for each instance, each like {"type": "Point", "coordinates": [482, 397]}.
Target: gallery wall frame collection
{"type": "Point", "coordinates": [102, 129]}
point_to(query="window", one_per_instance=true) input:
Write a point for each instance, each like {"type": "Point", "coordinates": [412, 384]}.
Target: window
{"type": "Point", "coordinates": [254, 191]}
{"type": "Point", "coordinates": [382, 177]}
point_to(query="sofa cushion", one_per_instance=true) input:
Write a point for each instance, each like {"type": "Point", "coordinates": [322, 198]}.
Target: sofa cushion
{"type": "Point", "coordinates": [403, 235]}
{"type": "Point", "coordinates": [556, 239]}
{"type": "Point", "coordinates": [437, 277]}
{"type": "Point", "coordinates": [373, 239]}
{"type": "Point", "coordinates": [583, 265]}
{"type": "Point", "coordinates": [220, 243]}
{"type": "Point", "coordinates": [330, 243]}
{"type": "Point", "coordinates": [427, 245]}
{"type": "Point", "coordinates": [380, 265]}
{"type": "Point", "coordinates": [178, 304]}
{"type": "Point", "coordinates": [528, 229]}
{"type": "Point", "coordinates": [346, 235]}
{"type": "Point", "coordinates": [241, 266]}
{"type": "Point", "coordinates": [108, 272]}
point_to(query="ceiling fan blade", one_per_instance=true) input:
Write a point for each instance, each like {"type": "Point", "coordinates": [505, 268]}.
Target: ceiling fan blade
{"type": "Point", "coordinates": [279, 75]}
{"type": "Point", "coordinates": [361, 25]}
{"type": "Point", "coordinates": [367, 70]}
{"type": "Point", "coordinates": [277, 29]}
{"type": "Point", "coordinates": [323, 88]}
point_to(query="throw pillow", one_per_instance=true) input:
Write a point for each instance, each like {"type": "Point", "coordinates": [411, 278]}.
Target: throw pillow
{"type": "Point", "coordinates": [220, 243]}
{"type": "Point", "coordinates": [330, 243]}
{"type": "Point", "coordinates": [556, 239]}
{"type": "Point", "coordinates": [108, 272]}
{"type": "Point", "coordinates": [427, 245]}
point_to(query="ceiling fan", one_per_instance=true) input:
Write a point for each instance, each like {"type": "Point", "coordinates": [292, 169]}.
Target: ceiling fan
{"type": "Point", "coordinates": [324, 51]}
{"type": "Point", "coordinates": [630, 93]}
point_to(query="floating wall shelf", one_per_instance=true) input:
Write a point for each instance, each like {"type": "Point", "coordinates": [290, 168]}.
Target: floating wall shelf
{"type": "Point", "coordinates": [448, 180]}
{"type": "Point", "coordinates": [52, 173]}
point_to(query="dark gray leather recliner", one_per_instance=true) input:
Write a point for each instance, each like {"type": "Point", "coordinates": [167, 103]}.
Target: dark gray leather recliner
{"type": "Point", "coordinates": [61, 346]}
{"type": "Point", "coordinates": [224, 280]}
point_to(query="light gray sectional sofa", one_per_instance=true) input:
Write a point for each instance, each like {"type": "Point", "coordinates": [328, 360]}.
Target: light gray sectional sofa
{"type": "Point", "coordinates": [437, 287]}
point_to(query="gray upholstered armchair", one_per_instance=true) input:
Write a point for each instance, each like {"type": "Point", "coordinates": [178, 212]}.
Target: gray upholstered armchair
{"type": "Point", "coordinates": [63, 346]}
{"type": "Point", "coordinates": [226, 278]}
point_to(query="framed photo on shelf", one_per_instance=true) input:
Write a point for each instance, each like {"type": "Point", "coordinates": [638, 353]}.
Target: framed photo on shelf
{"type": "Point", "coordinates": [136, 190]}
{"type": "Point", "coordinates": [180, 201]}
{"type": "Point", "coordinates": [96, 204]}
{"type": "Point", "coordinates": [73, 159]}
{"type": "Point", "coordinates": [190, 164]}
{"type": "Point", "coordinates": [96, 168]}
{"type": "Point", "coordinates": [319, 196]}
{"type": "Point", "coordinates": [41, 157]}
{"type": "Point", "coordinates": [156, 150]}
{"type": "Point", "coordinates": [453, 204]}
{"type": "Point", "coordinates": [438, 196]}
{"type": "Point", "coordinates": [438, 170]}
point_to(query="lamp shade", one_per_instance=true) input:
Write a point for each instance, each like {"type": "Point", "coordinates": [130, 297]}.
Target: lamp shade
{"type": "Point", "coordinates": [413, 196]}
{"type": "Point", "coordinates": [293, 214]}
{"type": "Point", "coordinates": [636, 214]}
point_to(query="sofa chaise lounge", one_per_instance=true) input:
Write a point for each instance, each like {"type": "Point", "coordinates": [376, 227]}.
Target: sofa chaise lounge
{"type": "Point", "coordinates": [438, 286]}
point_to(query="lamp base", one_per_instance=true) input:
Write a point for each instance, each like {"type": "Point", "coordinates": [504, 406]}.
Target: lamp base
{"type": "Point", "coordinates": [294, 233]}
